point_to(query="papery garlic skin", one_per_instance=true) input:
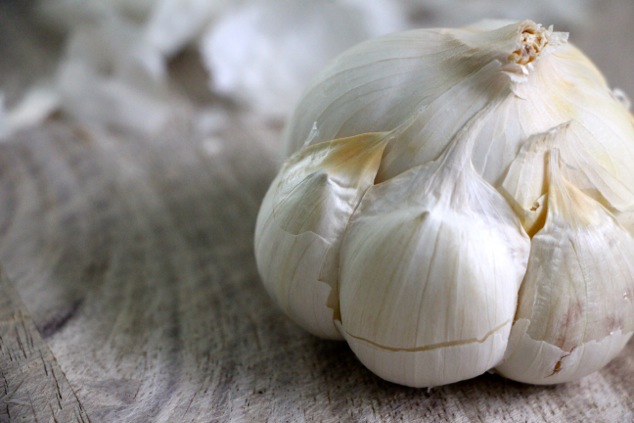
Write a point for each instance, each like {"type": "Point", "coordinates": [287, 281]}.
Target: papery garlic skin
{"type": "Point", "coordinates": [575, 312]}
{"type": "Point", "coordinates": [442, 77]}
{"type": "Point", "coordinates": [469, 247]}
{"type": "Point", "coordinates": [430, 266]}
{"type": "Point", "coordinates": [300, 223]}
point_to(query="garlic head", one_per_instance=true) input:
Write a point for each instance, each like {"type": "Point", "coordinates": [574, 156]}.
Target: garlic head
{"type": "Point", "coordinates": [457, 201]}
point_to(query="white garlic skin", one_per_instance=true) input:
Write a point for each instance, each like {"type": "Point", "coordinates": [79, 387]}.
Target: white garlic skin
{"type": "Point", "coordinates": [531, 258]}
{"type": "Point", "coordinates": [573, 302]}
{"type": "Point", "coordinates": [447, 298]}
{"type": "Point", "coordinates": [301, 221]}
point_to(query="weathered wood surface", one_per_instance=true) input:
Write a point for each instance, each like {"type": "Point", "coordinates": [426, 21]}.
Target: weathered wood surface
{"type": "Point", "coordinates": [132, 296]}
{"type": "Point", "coordinates": [25, 358]}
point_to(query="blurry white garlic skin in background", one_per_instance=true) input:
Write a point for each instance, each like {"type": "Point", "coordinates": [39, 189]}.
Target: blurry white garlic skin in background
{"type": "Point", "coordinates": [262, 53]}
{"type": "Point", "coordinates": [490, 227]}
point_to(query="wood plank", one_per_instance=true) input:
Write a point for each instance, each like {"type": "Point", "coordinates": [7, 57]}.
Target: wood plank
{"type": "Point", "coordinates": [33, 386]}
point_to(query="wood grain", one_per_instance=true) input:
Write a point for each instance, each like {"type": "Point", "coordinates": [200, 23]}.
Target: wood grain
{"type": "Point", "coordinates": [132, 296]}
{"type": "Point", "coordinates": [34, 388]}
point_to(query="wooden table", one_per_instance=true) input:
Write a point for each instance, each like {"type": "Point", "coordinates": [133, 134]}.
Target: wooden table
{"type": "Point", "coordinates": [129, 293]}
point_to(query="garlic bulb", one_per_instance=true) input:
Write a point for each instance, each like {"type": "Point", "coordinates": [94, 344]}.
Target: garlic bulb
{"type": "Point", "coordinates": [457, 201]}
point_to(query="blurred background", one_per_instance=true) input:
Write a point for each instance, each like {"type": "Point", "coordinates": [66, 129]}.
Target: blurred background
{"type": "Point", "coordinates": [138, 64]}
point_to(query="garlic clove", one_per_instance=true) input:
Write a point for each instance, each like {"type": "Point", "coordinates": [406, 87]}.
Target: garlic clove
{"type": "Point", "coordinates": [301, 221]}
{"type": "Point", "coordinates": [430, 266]}
{"type": "Point", "coordinates": [576, 305]}
{"type": "Point", "coordinates": [525, 184]}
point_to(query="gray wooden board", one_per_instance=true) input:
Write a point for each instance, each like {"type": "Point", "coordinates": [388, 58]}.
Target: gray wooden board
{"type": "Point", "coordinates": [34, 388]}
